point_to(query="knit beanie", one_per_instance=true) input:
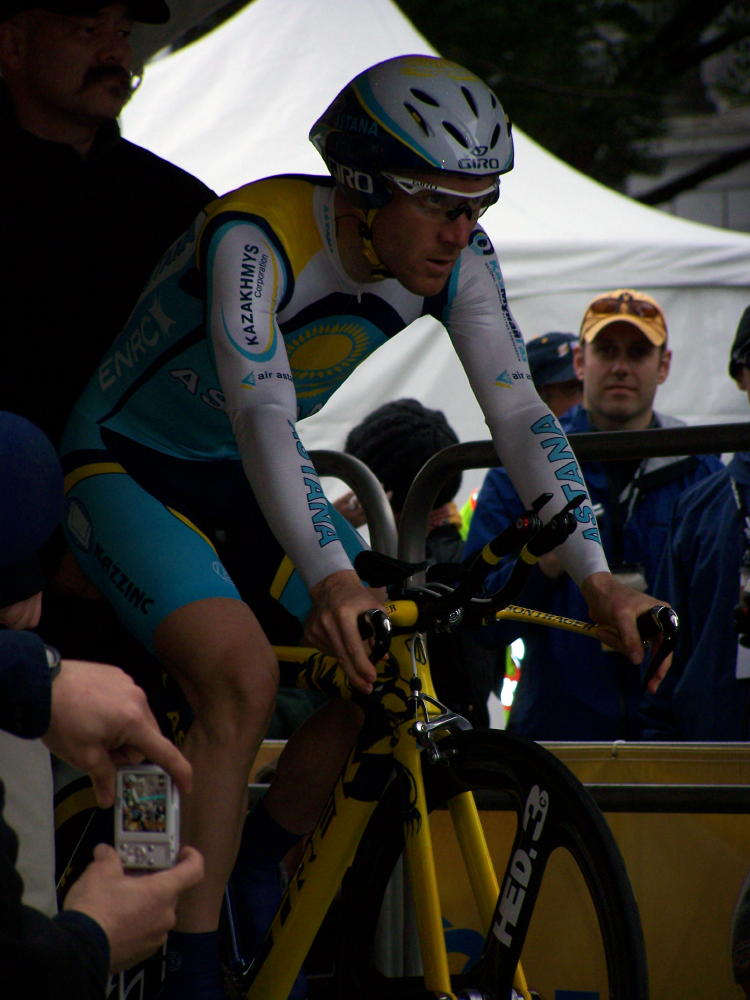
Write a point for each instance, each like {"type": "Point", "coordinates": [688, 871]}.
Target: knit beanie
{"type": "Point", "coordinates": [396, 440]}
{"type": "Point", "coordinates": [30, 505]}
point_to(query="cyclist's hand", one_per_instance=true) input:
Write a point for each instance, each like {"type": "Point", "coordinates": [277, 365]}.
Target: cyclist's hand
{"type": "Point", "coordinates": [135, 912]}
{"type": "Point", "coordinates": [22, 614]}
{"type": "Point", "coordinates": [100, 718]}
{"type": "Point", "coordinates": [332, 626]}
{"type": "Point", "coordinates": [615, 606]}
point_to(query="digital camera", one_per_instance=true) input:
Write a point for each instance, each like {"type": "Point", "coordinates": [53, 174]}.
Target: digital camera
{"type": "Point", "coordinates": [147, 817]}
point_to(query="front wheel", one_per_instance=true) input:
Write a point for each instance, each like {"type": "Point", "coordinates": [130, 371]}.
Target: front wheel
{"type": "Point", "coordinates": [553, 811]}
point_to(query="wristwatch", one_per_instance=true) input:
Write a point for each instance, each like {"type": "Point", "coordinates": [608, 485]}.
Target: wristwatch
{"type": "Point", "coordinates": [53, 661]}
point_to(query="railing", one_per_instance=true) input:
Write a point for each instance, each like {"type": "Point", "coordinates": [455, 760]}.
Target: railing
{"type": "Point", "coordinates": [599, 446]}
{"type": "Point", "coordinates": [360, 478]}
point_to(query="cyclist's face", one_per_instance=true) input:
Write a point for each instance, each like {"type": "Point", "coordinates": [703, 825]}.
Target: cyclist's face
{"type": "Point", "coordinates": [621, 370]}
{"type": "Point", "coordinates": [419, 248]}
{"type": "Point", "coordinates": [71, 69]}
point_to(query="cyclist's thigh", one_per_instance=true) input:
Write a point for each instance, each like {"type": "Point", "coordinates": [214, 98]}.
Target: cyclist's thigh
{"type": "Point", "coordinates": [145, 558]}
{"type": "Point", "coordinates": [267, 578]}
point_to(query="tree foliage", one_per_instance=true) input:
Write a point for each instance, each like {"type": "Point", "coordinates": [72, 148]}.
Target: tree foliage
{"type": "Point", "coordinates": [591, 79]}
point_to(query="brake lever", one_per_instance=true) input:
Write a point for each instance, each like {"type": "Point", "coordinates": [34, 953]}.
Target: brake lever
{"type": "Point", "coordinates": [543, 540]}
{"type": "Point", "coordinates": [660, 623]}
{"type": "Point", "coordinates": [375, 624]}
{"type": "Point", "coordinates": [557, 529]}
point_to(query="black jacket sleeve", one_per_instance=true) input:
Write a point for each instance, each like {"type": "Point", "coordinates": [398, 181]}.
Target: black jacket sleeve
{"type": "Point", "coordinates": [25, 687]}
{"type": "Point", "coordinates": [66, 957]}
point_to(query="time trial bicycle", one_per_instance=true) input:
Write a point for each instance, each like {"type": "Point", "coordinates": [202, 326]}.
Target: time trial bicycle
{"type": "Point", "coordinates": [415, 758]}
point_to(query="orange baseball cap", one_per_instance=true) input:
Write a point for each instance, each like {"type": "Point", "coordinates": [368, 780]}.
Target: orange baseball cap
{"type": "Point", "coordinates": [629, 306]}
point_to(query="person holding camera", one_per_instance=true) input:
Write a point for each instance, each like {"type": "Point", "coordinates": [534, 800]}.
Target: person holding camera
{"type": "Point", "coordinates": [91, 715]}
{"type": "Point", "coordinates": [570, 688]}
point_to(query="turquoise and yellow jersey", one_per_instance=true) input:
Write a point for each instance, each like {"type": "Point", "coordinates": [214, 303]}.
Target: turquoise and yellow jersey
{"type": "Point", "coordinates": [250, 322]}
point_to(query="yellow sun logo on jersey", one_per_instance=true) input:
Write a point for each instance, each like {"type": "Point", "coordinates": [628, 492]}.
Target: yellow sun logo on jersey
{"type": "Point", "coordinates": [324, 353]}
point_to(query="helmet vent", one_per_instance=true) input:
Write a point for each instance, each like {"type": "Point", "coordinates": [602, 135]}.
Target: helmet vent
{"type": "Point", "coordinates": [425, 98]}
{"type": "Point", "coordinates": [469, 98]}
{"type": "Point", "coordinates": [456, 133]}
{"type": "Point", "coordinates": [418, 118]}
{"type": "Point", "coordinates": [495, 136]}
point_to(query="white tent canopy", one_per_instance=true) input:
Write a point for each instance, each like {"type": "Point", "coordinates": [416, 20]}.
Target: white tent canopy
{"type": "Point", "coordinates": [237, 105]}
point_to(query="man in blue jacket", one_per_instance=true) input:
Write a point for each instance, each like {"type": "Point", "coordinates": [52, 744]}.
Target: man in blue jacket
{"type": "Point", "coordinates": [705, 573]}
{"type": "Point", "coordinates": [571, 688]}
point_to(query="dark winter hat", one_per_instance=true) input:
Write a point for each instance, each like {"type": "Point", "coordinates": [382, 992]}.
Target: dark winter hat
{"type": "Point", "coordinates": [147, 11]}
{"type": "Point", "coordinates": [740, 356]}
{"type": "Point", "coordinates": [30, 505]}
{"type": "Point", "coordinates": [396, 440]}
{"type": "Point", "coordinates": [551, 358]}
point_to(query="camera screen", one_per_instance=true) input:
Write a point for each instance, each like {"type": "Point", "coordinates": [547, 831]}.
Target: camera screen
{"type": "Point", "coordinates": [144, 803]}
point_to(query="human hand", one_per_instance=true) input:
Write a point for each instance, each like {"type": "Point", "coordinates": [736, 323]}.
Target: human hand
{"type": "Point", "coordinates": [349, 507]}
{"type": "Point", "coordinates": [100, 719]}
{"type": "Point", "coordinates": [338, 599]}
{"type": "Point", "coordinates": [134, 911]}
{"type": "Point", "coordinates": [615, 607]}
{"type": "Point", "coordinates": [22, 614]}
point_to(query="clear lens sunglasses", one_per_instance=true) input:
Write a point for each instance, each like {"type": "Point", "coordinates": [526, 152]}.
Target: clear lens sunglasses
{"type": "Point", "coordinates": [436, 201]}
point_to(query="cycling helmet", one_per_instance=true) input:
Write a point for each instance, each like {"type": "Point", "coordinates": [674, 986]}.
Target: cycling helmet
{"type": "Point", "coordinates": [411, 113]}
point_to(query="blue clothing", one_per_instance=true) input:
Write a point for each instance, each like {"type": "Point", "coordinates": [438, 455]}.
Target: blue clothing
{"type": "Point", "coordinates": [30, 505]}
{"type": "Point", "coordinates": [701, 698]}
{"type": "Point", "coordinates": [571, 688]}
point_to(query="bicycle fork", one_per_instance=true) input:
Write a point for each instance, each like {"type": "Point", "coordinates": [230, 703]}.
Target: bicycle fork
{"type": "Point", "coordinates": [420, 860]}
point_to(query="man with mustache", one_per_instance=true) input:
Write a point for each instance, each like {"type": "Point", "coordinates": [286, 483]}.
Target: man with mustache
{"type": "Point", "coordinates": [571, 688]}
{"type": "Point", "coordinates": [85, 217]}
{"type": "Point", "coordinates": [86, 214]}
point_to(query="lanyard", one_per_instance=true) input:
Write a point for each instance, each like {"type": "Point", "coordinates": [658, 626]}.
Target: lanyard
{"type": "Point", "coordinates": [621, 506]}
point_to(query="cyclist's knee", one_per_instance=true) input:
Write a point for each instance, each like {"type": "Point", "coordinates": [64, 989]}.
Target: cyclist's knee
{"type": "Point", "coordinates": [238, 683]}
{"type": "Point", "coordinates": [224, 663]}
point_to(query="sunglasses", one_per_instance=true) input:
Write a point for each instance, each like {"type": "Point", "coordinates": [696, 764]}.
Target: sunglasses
{"type": "Point", "coordinates": [625, 302]}
{"type": "Point", "coordinates": [436, 202]}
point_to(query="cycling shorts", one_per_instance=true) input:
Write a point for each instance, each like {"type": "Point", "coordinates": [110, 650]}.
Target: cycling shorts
{"type": "Point", "coordinates": [155, 533]}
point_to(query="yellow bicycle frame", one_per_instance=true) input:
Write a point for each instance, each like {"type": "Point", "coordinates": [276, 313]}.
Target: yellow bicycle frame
{"type": "Point", "coordinates": [332, 846]}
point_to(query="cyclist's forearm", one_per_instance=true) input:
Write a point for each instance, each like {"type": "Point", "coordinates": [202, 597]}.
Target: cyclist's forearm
{"type": "Point", "coordinates": [288, 490]}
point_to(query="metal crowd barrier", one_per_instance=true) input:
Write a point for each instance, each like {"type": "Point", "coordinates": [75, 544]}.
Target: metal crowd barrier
{"type": "Point", "coordinates": [360, 478]}
{"type": "Point", "coordinates": [599, 446]}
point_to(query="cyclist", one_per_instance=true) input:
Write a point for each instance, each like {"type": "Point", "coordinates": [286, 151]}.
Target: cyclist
{"type": "Point", "coordinates": [251, 320]}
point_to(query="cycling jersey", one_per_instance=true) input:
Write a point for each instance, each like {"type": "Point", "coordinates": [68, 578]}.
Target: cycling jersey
{"type": "Point", "coordinates": [250, 322]}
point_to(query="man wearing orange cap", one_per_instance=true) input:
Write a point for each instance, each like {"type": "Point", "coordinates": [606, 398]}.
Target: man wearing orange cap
{"type": "Point", "coordinates": [570, 688]}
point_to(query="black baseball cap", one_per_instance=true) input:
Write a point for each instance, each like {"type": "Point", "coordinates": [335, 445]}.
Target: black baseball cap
{"type": "Point", "coordinates": [147, 11]}
{"type": "Point", "coordinates": [740, 356]}
{"type": "Point", "coordinates": [551, 358]}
